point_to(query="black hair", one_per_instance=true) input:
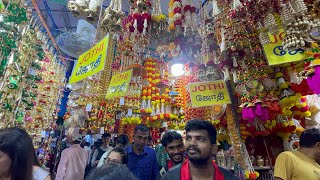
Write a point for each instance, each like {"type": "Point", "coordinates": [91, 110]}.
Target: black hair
{"type": "Point", "coordinates": [111, 172]}
{"type": "Point", "coordinates": [310, 137]}
{"type": "Point", "coordinates": [77, 142]}
{"type": "Point", "coordinates": [87, 144]}
{"type": "Point", "coordinates": [141, 127]}
{"type": "Point", "coordinates": [170, 136]}
{"type": "Point", "coordinates": [123, 153]}
{"type": "Point", "coordinates": [123, 139]}
{"type": "Point", "coordinates": [106, 135]}
{"type": "Point", "coordinates": [88, 132]}
{"type": "Point", "coordinates": [35, 160]}
{"type": "Point", "coordinates": [98, 143]}
{"type": "Point", "coordinates": [17, 144]}
{"type": "Point", "coordinates": [195, 124]}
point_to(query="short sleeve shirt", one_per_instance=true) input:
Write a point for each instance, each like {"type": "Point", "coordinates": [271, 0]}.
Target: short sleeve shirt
{"type": "Point", "coordinates": [294, 165]}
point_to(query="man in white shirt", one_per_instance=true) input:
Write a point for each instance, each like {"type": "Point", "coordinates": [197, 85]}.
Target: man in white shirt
{"type": "Point", "coordinates": [73, 160]}
{"type": "Point", "coordinates": [106, 138]}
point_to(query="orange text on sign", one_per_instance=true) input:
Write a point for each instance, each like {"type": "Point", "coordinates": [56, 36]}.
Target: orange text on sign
{"type": "Point", "coordinates": [277, 37]}
{"type": "Point", "coordinates": [120, 77]}
{"type": "Point", "coordinates": [93, 52]}
{"type": "Point", "coordinates": [210, 86]}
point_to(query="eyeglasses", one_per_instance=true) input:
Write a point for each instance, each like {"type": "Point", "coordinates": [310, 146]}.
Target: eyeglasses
{"type": "Point", "coordinates": [109, 161]}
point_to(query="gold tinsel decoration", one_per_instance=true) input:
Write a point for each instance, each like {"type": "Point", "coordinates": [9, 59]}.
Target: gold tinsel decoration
{"type": "Point", "coordinates": [106, 73]}
{"type": "Point", "coordinates": [235, 138]}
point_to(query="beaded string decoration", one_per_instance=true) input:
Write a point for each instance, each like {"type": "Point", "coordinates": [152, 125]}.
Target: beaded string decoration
{"type": "Point", "coordinates": [158, 23]}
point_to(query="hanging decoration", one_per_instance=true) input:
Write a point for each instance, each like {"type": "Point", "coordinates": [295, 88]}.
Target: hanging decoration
{"type": "Point", "coordinates": [189, 16]}
{"type": "Point", "coordinates": [138, 22]}
{"type": "Point", "coordinates": [159, 22]}
{"type": "Point", "coordinates": [239, 43]}
{"type": "Point", "coordinates": [113, 15]}
{"type": "Point", "coordinates": [87, 9]}
{"type": "Point", "coordinates": [175, 15]}
{"type": "Point", "coordinates": [27, 99]}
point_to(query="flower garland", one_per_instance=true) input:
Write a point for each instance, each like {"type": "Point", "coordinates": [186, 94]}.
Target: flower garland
{"type": "Point", "coordinates": [175, 14]}
{"type": "Point", "coordinates": [157, 15]}
{"type": "Point", "coordinates": [158, 18]}
{"type": "Point", "coordinates": [139, 19]}
{"type": "Point", "coordinates": [189, 15]}
{"type": "Point", "coordinates": [314, 68]}
{"type": "Point", "coordinates": [156, 103]}
{"type": "Point", "coordinates": [314, 103]}
{"type": "Point", "coordinates": [293, 106]}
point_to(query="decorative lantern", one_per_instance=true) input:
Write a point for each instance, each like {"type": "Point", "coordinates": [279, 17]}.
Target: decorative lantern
{"type": "Point", "coordinates": [77, 7]}
{"type": "Point", "coordinates": [201, 73]}
{"type": "Point", "coordinates": [212, 72]}
{"type": "Point", "coordinates": [113, 16]}
{"type": "Point", "coordinates": [93, 10]}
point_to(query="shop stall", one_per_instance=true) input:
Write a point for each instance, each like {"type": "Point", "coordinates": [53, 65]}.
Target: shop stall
{"type": "Point", "coordinates": [251, 68]}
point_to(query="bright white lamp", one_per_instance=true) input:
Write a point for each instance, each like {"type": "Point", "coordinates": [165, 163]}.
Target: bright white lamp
{"type": "Point", "coordinates": [177, 69]}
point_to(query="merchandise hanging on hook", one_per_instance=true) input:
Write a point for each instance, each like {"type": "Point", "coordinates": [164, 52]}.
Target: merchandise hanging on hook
{"type": "Point", "coordinates": [158, 23]}
{"type": "Point", "coordinates": [113, 16]}
{"type": "Point", "coordinates": [93, 10]}
{"type": "Point", "coordinates": [215, 9]}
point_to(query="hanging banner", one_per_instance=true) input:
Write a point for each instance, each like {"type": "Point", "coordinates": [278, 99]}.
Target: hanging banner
{"type": "Point", "coordinates": [90, 62]}
{"type": "Point", "coordinates": [119, 84]}
{"type": "Point", "coordinates": [209, 93]}
{"type": "Point", "coordinates": [275, 53]}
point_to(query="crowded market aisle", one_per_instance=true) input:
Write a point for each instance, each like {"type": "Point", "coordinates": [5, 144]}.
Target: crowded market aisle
{"type": "Point", "coordinates": [162, 89]}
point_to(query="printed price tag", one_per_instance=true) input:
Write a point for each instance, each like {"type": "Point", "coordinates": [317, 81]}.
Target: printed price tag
{"type": "Point", "coordinates": [101, 130]}
{"type": "Point", "coordinates": [121, 101]}
{"type": "Point", "coordinates": [89, 107]}
{"type": "Point", "coordinates": [129, 112]}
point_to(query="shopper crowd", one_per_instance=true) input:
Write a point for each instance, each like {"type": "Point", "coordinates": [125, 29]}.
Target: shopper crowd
{"type": "Point", "coordinates": [191, 158]}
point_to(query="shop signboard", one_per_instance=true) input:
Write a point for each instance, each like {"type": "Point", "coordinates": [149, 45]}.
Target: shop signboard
{"type": "Point", "coordinates": [119, 84]}
{"type": "Point", "coordinates": [209, 93]}
{"type": "Point", "coordinates": [277, 55]}
{"type": "Point", "coordinates": [90, 62]}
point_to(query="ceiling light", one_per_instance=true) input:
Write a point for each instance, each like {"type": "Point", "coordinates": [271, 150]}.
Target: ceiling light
{"type": "Point", "coordinates": [177, 69]}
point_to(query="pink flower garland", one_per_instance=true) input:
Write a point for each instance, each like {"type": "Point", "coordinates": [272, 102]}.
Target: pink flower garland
{"type": "Point", "coordinates": [314, 80]}
{"type": "Point", "coordinates": [138, 21]}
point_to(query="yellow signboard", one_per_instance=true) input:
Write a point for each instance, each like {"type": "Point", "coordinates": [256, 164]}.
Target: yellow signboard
{"type": "Point", "coordinates": [275, 53]}
{"type": "Point", "coordinates": [209, 93]}
{"type": "Point", "coordinates": [119, 84]}
{"type": "Point", "coordinates": [90, 62]}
